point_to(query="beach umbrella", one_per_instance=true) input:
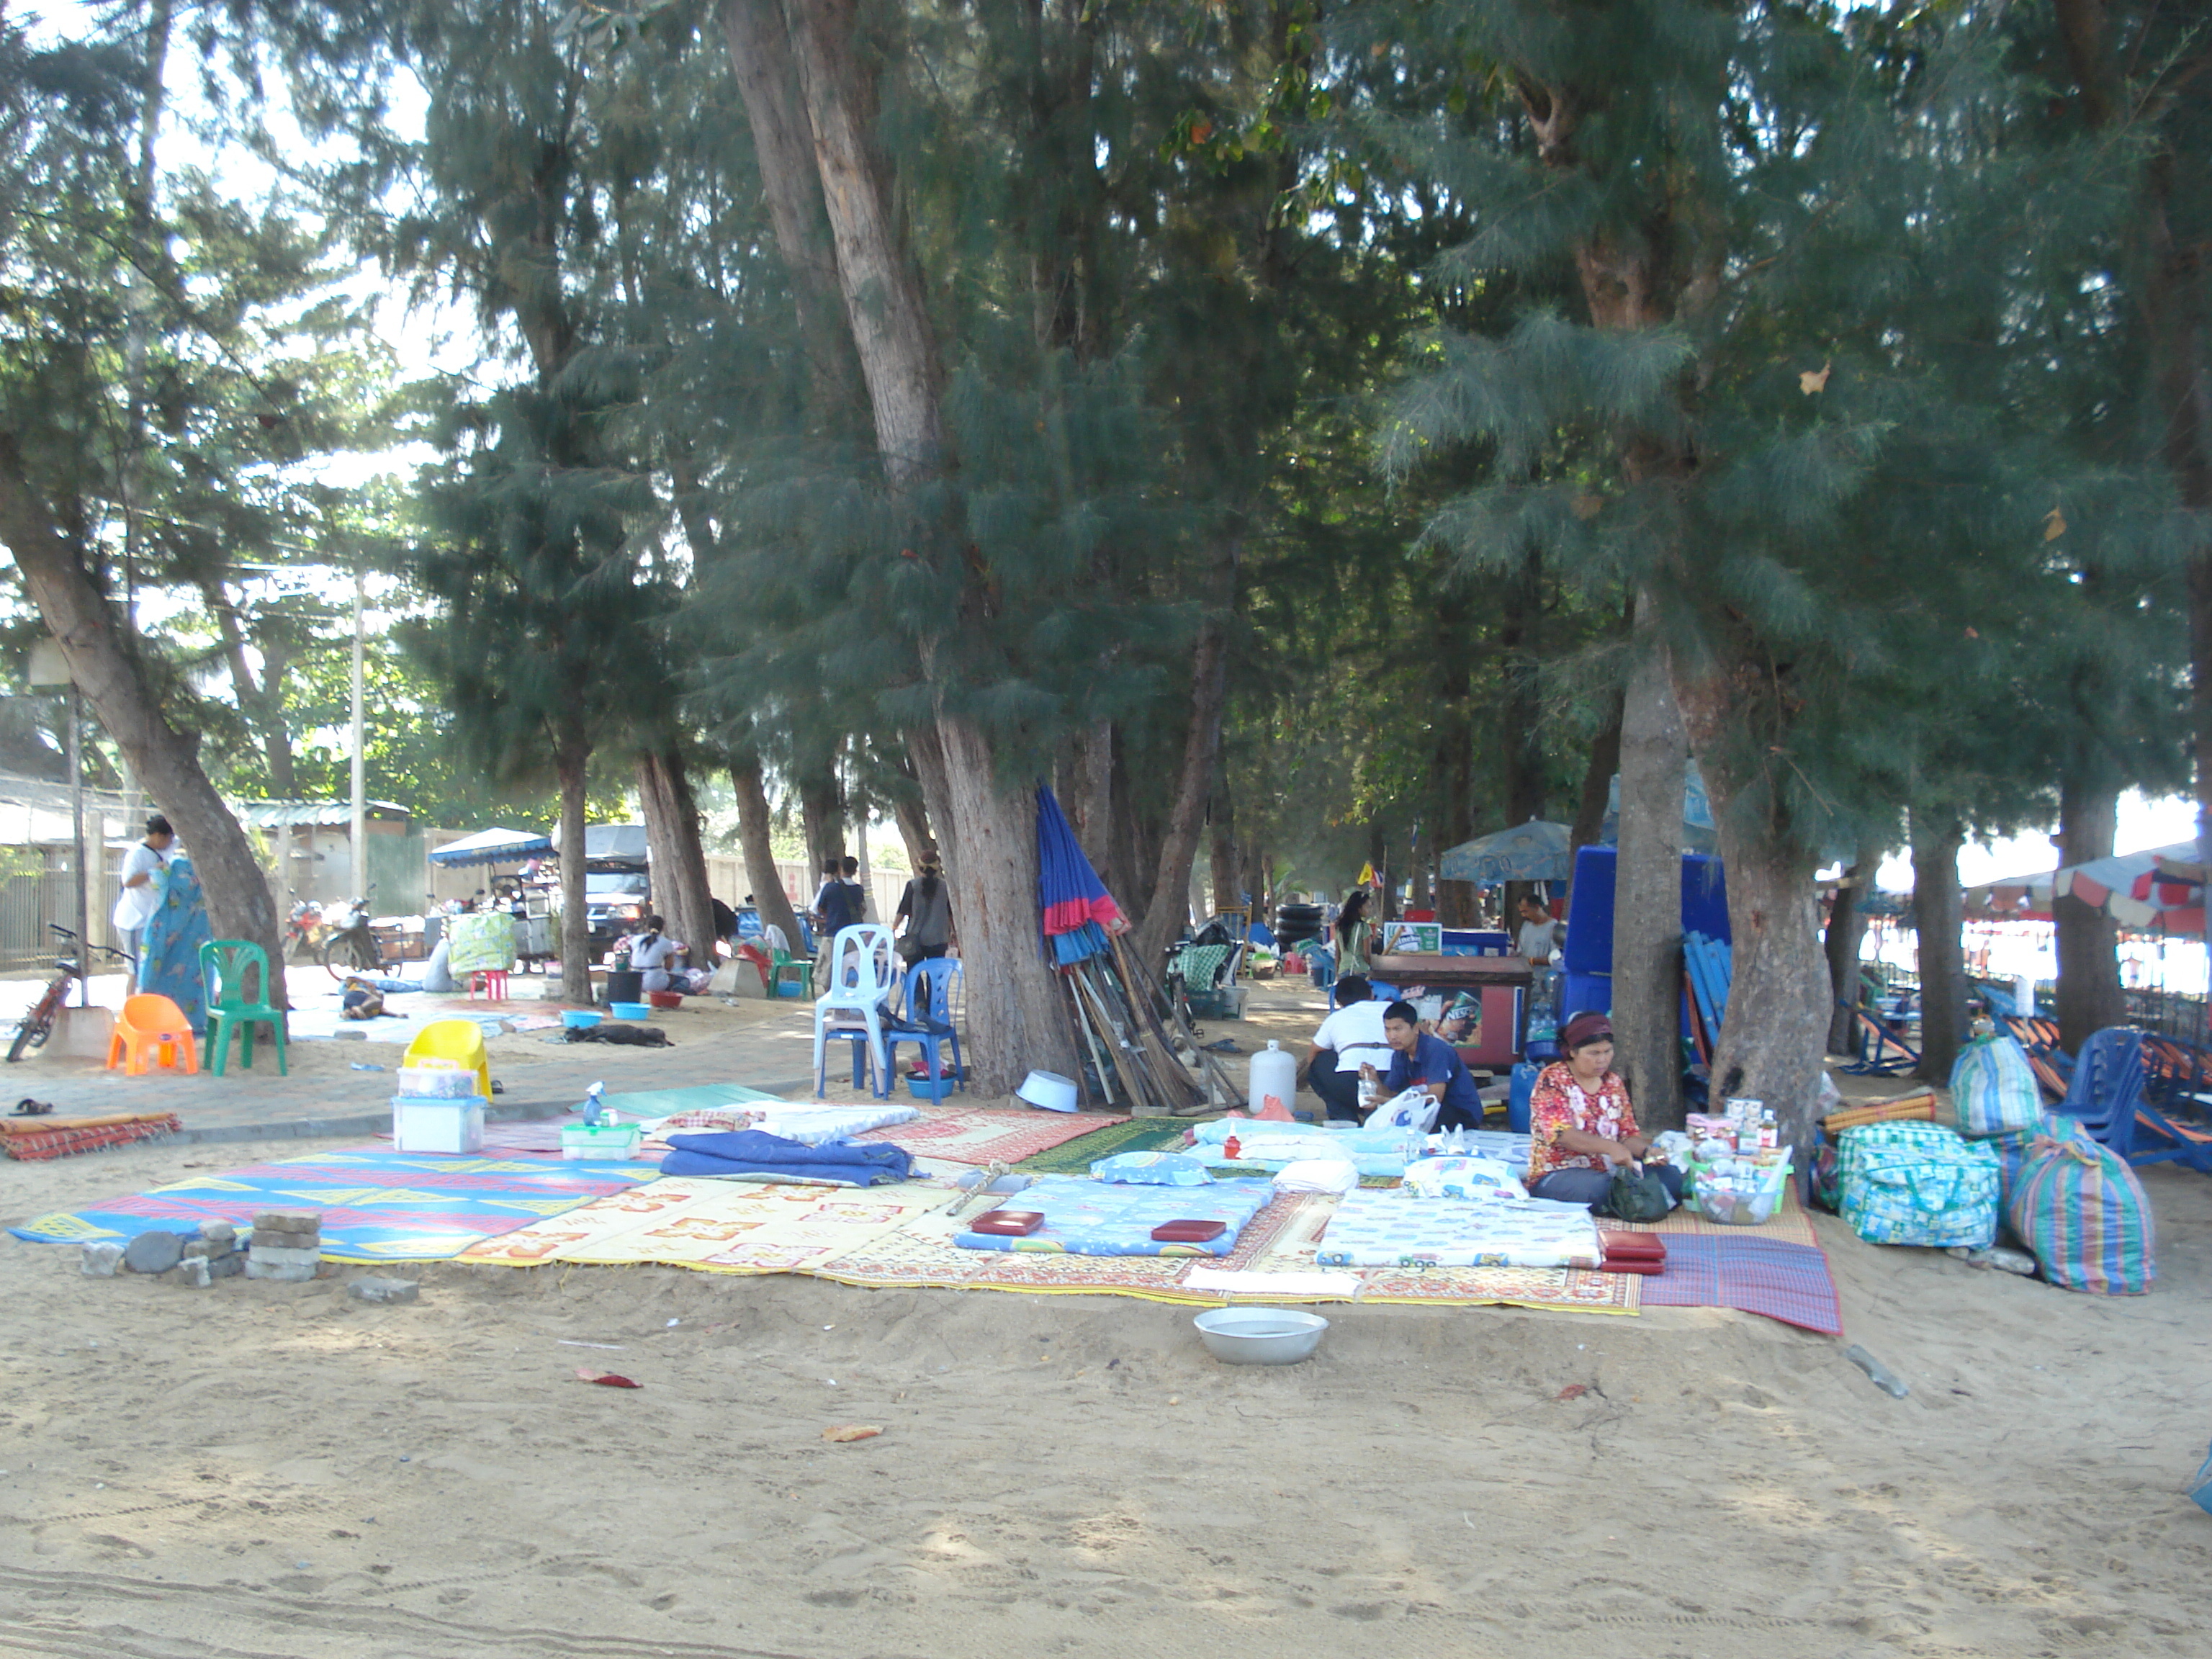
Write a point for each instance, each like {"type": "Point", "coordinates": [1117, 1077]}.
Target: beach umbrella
{"type": "Point", "coordinates": [2161, 888]}
{"type": "Point", "coordinates": [1076, 910]}
{"type": "Point", "coordinates": [492, 846]}
{"type": "Point", "coordinates": [1534, 851]}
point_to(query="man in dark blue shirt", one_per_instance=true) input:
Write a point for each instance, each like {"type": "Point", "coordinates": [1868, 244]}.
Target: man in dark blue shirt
{"type": "Point", "coordinates": [1419, 1060]}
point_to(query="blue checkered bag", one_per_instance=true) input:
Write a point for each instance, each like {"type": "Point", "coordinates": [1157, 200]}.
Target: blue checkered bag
{"type": "Point", "coordinates": [1919, 1183]}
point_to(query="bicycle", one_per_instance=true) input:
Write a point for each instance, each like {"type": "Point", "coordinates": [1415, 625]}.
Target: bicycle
{"type": "Point", "coordinates": [36, 1026]}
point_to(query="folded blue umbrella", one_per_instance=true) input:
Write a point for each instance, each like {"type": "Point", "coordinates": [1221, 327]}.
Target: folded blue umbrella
{"type": "Point", "coordinates": [756, 1152]}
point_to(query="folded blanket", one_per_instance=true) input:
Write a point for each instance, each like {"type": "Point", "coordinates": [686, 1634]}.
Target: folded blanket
{"type": "Point", "coordinates": [753, 1155]}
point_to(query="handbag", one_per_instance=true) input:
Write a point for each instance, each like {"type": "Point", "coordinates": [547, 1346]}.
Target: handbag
{"type": "Point", "coordinates": [1636, 1194]}
{"type": "Point", "coordinates": [908, 949]}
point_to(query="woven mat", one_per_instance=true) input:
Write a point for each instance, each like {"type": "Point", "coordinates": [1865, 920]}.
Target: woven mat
{"type": "Point", "coordinates": [39, 1138]}
{"type": "Point", "coordinates": [1744, 1268]}
{"type": "Point", "coordinates": [377, 1205]}
{"type": "Point", "coordinates": [975, 1134]}
{"type": "Point", "coordinates": [1788, 1226]}
{"type": "Point", "coordinates": [716, 1226]}
{"type": "Point", "coordinates": [1136, 1134]}
{"type": "Point", "coordinates": [1279, 1238]}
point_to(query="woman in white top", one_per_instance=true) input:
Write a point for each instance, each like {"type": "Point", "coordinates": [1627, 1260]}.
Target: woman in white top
{"type": "Point", "coordinates": [651, 952]}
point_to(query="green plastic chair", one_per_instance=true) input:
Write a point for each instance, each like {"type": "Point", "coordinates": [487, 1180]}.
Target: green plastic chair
{"type": "Point", "coordinates": [799, 971]}
{"type": "Point", "coordinates": [226, 964]}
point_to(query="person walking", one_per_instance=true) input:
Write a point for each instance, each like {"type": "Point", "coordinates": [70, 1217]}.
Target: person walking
{"type": "Point", "coordinates": [134, 904]}
{"type": "Point", "coordinates": [926, 910]}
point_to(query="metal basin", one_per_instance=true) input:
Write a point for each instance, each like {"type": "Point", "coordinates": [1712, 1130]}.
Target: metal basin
{"type": "Point", "coordinates": [1260, 1336]}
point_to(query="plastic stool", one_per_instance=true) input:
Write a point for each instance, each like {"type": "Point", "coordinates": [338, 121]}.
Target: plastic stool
{"type": "Point", "coordinates": [492, 982]}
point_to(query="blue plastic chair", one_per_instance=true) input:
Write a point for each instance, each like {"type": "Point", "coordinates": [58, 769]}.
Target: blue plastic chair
{"type": "Point", "coordinates": [863, 974]}
{"type": "Point", "coordinates": [2110, 1097]}
{"type": "Point", "coordinates": [927, 1022]}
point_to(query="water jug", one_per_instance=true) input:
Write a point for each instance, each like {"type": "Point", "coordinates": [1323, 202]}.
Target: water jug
{"type": "Point", "coordinates": [1274, 1072]}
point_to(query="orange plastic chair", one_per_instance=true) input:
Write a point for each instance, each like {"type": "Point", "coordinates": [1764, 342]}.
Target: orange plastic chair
{"type": "Point", "coordinates": [152, 1033]}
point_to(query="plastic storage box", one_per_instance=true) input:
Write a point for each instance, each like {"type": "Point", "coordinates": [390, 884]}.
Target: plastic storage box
{"type": "Point", "coordinates": [438, 1126]}
{"type": "Point", "coordinates": [443, 1082]}
{"type": "Point", "coordinates": [616, 1141]}
{"type": "Point", "coordinates": [1735, 1192]}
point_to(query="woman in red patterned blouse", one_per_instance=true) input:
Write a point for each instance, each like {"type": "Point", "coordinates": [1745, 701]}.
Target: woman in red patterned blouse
{"type": "Point", "coordinates": [1580, 1122]}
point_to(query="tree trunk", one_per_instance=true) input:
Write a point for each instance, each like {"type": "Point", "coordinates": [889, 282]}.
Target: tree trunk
{"type": "Point", "coordinates": [1647, 899]}
{"type": "Point", "coordinates": [1936, 839]}
{"type": "Point", "coordinates": [822, 817]}
{"type": "Point", "coordinates": [680, 892]}
{"type": "Point", "coordinates": [572, 753]}
{"type": "Point", "coordinates": [912, 816]}
{"type": "Point", "coordinates": [1169, 908]}
{"type": "Point", "coordinates": [755, 838]}
{"type": "Point", "coordinates": [990, 844]}
{"type": "Point", "coordinates": [1453, 766]}
{"type": "Point", "coordinates": [1222, 863]}
{"type": "Point", "coordinates": [1092, 808]}
{"type": "Point", "coordinates": [2089, 995]}
{"type": "Point", "coordinates": [1840, 944]}
{"type": "Point", "coordinates": [1771, 1045]}
{"type": "Point", "coordinates": [105, 668]}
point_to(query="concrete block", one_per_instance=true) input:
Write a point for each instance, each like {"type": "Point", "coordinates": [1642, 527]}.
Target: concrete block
{"type": "Point", "coordinates": [193, 1272]}
{"type": "Point", "coordinates": [286, 1274]}
{"type": "Point", "coordinates": [375, 1289]}
{"type": "Point", "coordinates": [269, 1255]}
{"type": "Point", "coordinates": [102, 1257]}
{"type": "Point", "coordinates": [154, 1252]}
{"type": "Point", "coordinates": [288, 1221]}
{"type": "Point", "coordinates": [227, 1266]}
{"type": "Point", "coordinates": [219, 1233]}
{"type": "Point", "coordinates": [83, 1033]}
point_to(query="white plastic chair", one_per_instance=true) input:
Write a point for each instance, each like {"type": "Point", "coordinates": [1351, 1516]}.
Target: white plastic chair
{"type": "Point", "coordinates": [862, 972]}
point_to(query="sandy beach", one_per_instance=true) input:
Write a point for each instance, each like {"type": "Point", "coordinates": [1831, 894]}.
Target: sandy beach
{"type": "Point", "coordinates": [264, 1469]}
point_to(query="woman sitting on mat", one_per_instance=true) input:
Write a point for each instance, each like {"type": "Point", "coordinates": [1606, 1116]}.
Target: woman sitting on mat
{"type": "Point", "coordinates": [1581, 1126]}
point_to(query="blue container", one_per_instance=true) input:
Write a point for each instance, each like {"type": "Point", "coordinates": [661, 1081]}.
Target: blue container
{"type": "Point", "coordinates": [1585, 993]}
{"type": "Point", "coordinates": [1517, 1097]}
{"type": "Point", "coordinates": [922, 1088]}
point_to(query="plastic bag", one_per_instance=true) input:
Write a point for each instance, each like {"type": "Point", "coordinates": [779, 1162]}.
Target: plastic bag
{"type": "Point", "coordinates": [1416, 1109]}
{"type": "Point", "coordinates": [1993, 1088]}
{"type": "Point", "coordinates": [2081, 1209]}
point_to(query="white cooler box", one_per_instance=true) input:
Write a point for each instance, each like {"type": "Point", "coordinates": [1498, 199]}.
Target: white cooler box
{"type": "Point", "coordinates": [437, 1125]}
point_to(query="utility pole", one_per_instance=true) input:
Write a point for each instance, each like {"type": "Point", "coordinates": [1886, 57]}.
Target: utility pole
{"type": "Point", "coordinates": [360, 800]}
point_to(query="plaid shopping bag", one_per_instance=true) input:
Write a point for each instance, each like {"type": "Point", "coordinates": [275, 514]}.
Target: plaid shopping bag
{"type": "Point", "coordinates": [1919, 1183]}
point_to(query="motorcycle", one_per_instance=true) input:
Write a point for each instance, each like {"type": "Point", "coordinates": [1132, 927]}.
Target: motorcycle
{"type": "Point", "coordinates": [303, 932]}
{"type": "Point", "coordinates": [351, 947]}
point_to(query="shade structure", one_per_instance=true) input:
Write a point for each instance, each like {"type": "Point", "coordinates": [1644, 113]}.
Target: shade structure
{"type": "Point", "coordinates": [2011, 898]}
{"type": "Point", "coordinates": [1698, 835]}
{"type": "Point", "coordinates": [1075, 909]}
{"type": "Point", "coordinates": [2161, 888]}
{"type": "Point", "coordinates": [1534, 851]}
{"type": "Point", "coordinates": [492, 846]}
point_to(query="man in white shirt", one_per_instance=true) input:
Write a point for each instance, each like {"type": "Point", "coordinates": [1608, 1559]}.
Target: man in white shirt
{"type": "Point", "coordinates": [1351, 1037]}
{"type": "Point", "coordinates": [134, 905]}
{"type": "Point", "coordinates": [1539, 934]}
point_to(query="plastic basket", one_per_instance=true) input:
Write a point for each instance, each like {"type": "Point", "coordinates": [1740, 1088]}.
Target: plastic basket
{"type": "Point", "coordinates": [615, 1141]}
{"type": "Point", "coordinates": [1733, 1192]}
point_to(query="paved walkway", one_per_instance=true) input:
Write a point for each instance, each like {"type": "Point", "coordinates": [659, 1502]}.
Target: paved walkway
{"type": "Point", "coordinates": [538, 1076]}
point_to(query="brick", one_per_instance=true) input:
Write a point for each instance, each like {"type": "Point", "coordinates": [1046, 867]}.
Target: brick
{"type": "Point", "coordinates": [374, 1289]}
{"type": "Point", "coordinates": [102, 1258]}
{"type": "Point", "coordinates": [270, 1255]}
{"type": "Point", "coordinates": [227, 1266]}
{"type": "Point", "coordinates": [275, 1240]}
{"type": "Point", "coordinates": [192, 1272]}
{"type": "Point", "coordinates": [289, 1221]}
{"type": "Point", "coordinates": [286, 1274]}
{"type": "Point", "coordinates": [219, 1233]}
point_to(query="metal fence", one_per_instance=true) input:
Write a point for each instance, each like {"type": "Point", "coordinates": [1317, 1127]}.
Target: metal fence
{"type": "Point", "coordinates": [39, 888]}
{"type": "Point", "coordinates": [2169, 1013]}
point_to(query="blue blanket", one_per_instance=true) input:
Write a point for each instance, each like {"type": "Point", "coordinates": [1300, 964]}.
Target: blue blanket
{"type": "Point", "coordinates": [755, 1155]}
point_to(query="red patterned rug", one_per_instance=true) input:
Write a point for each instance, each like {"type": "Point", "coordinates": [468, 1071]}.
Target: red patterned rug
{"type": "Point", "coordinates": [975, 1134]}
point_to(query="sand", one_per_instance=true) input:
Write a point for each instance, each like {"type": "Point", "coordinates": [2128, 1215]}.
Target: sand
{"type": "Point", "coordinates": [265, 1469]}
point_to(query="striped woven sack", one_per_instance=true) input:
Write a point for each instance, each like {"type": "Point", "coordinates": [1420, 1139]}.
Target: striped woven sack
{"type": "Point", "coordinates": [2015, 1148]}
{"type": "Point", "coordinates": [2082, 1212]}
{"type": "Point", "coordinates": [1918, 1183]}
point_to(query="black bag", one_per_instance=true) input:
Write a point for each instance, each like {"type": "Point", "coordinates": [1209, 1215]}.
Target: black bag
{"type": "Point", "coordinates": [907, 948]}
{"type": "Point", "coordinates": [1636, 1194]}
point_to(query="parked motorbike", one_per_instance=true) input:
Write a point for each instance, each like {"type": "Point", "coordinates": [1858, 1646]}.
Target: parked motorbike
{"type": "Point", "coordinates": [303, 932]}
{"type": "Point", "coordinates": [351, 947]}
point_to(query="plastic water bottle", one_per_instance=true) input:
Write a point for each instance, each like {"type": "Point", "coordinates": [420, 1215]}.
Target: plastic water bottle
{"type": "Point", "coordinates": [594, 1105]}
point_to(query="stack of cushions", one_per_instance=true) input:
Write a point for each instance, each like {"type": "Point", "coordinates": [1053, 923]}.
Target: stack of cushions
{"type": "Point", "coordinates": [1633, 1253]}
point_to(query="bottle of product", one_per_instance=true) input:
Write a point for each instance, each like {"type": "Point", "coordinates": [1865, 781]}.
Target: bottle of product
{"type": "Point", "coordinates": [1769, 1132]}
{"type": "Point", "coordinates": [1230, 1148]}
{"type": "Point", "coordinates": [594, 1105]}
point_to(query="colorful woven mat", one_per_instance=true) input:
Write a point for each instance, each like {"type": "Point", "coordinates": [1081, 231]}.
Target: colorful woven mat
{"type": "Point", "coordinates": [39, 1138]}
{"type": "Point", "coordinates": [1136, 1134]}
{"type": "Point", "coordinates": [975, 1134]}
{"type": "Point", "coordinates": [377, 1205]}
{"type": "Point", "coordinates": [1742, 1267]}
{"type": "Point", "coordinates": [715, 1226]}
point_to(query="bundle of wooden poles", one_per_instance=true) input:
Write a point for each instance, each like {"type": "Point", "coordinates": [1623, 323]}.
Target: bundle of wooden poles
{"type": "Point", "coordinates": [1122, 1032]}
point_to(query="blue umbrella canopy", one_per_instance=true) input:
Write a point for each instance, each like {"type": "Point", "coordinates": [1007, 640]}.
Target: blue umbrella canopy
{"type": "Point", "coordinates": [1077, 911]}
{"type": "Point", "coordinates": [1534, 851]}
{"type": "Point", "coordinates": [492, 846]}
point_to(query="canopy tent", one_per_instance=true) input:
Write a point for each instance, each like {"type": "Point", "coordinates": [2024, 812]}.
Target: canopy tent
{"type": "Point", "coordinates": [1534, 851]}
{"type": "Point", "coordinates": [492, 846]}
{"type": "Point", "coordinates": [2013, 898]}
{"type": "Point", "coordinates": [613, 843]}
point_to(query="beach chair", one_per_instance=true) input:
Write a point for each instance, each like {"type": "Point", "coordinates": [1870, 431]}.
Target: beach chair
{"type": "Point", "coordinates": [2052, 1066]}
{"type": "Point", "coordinates": [227, 967]}
{"type": "Point", "coordinates": [451, 1045]}
{"type": "Point", "coordinates": [2110, 1099]}
{"type": "Point", "coordinates": [1879, 1053]}
{"type": "Point", "coordinates": [2173, 1123]}
{"type": "Point", "coordinates": [152, 1033]}
{"type": "Point", "coordinates": [928, 1020]}
{"type": "Point", "coordinates": [862, 979]}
